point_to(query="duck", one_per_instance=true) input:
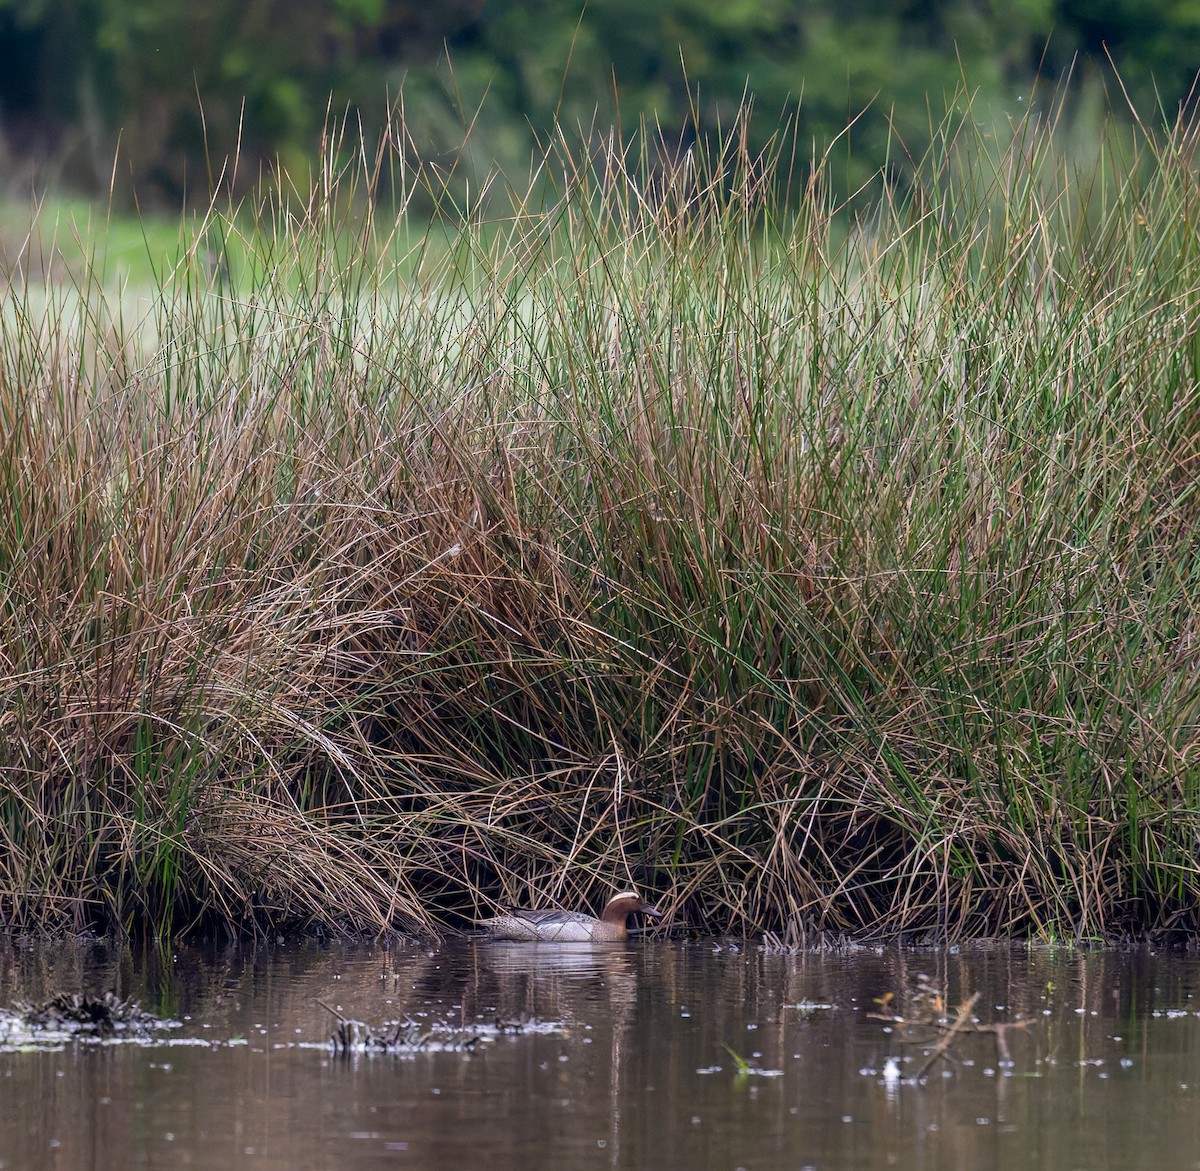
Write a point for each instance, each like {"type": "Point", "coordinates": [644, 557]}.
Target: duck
{"type": "Point", "coordinates": [551, 926]}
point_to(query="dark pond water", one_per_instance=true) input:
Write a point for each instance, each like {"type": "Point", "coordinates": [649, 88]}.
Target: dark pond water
{"type": "Point", "coordinates": [620, 1056]}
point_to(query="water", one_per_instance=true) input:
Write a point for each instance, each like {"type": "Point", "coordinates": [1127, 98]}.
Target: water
{"type": "Point", "coordinates": [634, 1069]}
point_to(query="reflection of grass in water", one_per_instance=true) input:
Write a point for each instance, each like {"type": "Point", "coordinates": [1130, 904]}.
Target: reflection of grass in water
{"type": "Point", "coordinates": [814, 573]}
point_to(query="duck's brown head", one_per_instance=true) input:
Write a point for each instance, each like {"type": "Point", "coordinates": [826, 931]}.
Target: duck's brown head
{"type": "Point", "coordinates": [621, 906]}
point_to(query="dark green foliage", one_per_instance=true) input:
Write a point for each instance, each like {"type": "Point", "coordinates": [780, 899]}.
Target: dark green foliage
{"type": "Point", "coordinates": [186, 85]}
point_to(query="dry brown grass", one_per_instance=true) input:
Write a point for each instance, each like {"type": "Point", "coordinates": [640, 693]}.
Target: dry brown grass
{"type": "Point", "coordinates": [812, 574]}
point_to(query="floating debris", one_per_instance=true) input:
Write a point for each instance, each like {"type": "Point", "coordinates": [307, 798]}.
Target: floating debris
{"type": "Point", "coordinates": [400, 1037]}
{"type": "Point", "coordinates": [512, 1026]}
{"type": "Point", "coordinates": [406, 1037]}
{"type": "Point", "coordinates": [809, 1008]}
{"type": "Point", "coordinates": [76, 1016]}
{"type": "Point", "coordinates": [891, 1072]}
{"type": "Point", "coordinates": [926, 1022]}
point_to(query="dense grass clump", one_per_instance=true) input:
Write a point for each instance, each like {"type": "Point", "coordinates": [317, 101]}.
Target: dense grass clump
{"type": "Point", "coordinates": [811, 567]}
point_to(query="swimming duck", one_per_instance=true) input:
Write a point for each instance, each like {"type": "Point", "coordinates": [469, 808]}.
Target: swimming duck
{"type": "Point", "coordinates": [571, 926]}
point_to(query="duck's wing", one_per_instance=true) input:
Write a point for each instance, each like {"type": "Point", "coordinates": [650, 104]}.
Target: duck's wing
{"type": "Point", "coordinates": [563, 926]}
{"type": "Point", "coordinates": [549, 917]}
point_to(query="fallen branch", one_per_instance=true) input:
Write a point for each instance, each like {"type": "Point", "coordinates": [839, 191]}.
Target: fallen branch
{"type": "Point", "coordinates": [949, 1029]}
{"type": "Point", "coordinates": [960, 1023]}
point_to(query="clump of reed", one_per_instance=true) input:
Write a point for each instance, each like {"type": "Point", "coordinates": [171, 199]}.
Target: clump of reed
{"type": "Point", "coordinates": [814, 567]}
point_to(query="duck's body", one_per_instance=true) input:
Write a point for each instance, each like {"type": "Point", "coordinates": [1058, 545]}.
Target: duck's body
{"type": "Point", "coordinates": [533, 926]}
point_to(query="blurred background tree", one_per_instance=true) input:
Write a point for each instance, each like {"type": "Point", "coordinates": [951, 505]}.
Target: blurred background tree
{"type": "Point", "coordinates": [181, 85]}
